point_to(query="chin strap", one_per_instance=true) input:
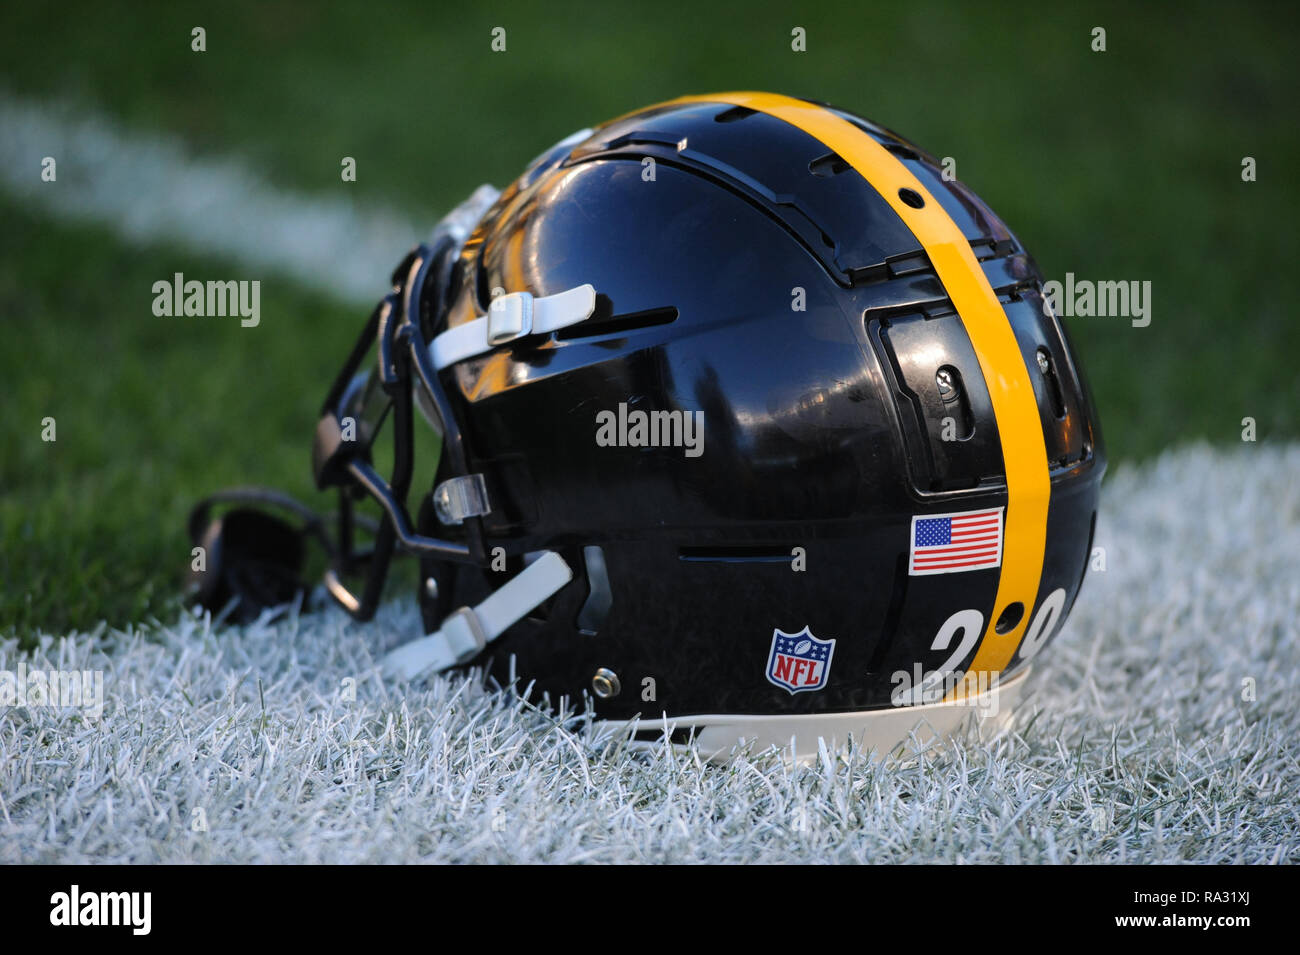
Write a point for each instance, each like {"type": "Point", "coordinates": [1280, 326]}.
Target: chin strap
{"type": "Point", "coordinates": [465, 633]}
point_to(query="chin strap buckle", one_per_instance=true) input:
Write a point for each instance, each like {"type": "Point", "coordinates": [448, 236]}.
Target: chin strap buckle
{"type": "Point", "coordinates": [510, 317]}
{"type": "Point", "coordinates": [464, 634]}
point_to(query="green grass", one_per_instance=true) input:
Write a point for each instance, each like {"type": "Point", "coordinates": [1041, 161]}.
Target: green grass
{"type": "Point", "coordinates": [1121, 165]}
{"type": "Point", "coordinates": [150, 413]}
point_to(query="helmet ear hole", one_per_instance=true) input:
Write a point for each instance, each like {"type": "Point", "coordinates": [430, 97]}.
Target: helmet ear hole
{"type": "Point", "coordinates": [251, 556]}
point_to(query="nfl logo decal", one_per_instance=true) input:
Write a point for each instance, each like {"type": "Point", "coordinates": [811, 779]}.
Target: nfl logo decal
{"type": "Point", "coordinates": [799, 661]}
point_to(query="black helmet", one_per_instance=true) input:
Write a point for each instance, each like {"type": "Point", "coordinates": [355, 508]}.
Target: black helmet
{"type": "Point", "coordinates": [756, 425]}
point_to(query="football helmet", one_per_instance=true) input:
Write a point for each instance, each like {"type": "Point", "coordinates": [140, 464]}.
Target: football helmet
{"type": "Point", "coordinates": [756, 429]}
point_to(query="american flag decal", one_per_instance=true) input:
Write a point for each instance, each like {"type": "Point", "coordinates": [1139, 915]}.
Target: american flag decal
{"type": "Point", "coordinates": [950, 543]}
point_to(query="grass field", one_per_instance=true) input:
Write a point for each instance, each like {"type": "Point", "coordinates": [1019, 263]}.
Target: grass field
{"type": "Point", "coordinates": [1117, 165]}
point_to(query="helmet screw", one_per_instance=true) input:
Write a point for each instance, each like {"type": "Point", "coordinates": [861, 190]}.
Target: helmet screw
{"type": "Point", "coordinates": [431, 588]}
{"type": "Point", "coordinates": [605, 684]}
{"type": "Point", "coordinates": [943, 378]}
{"type": "Point", "coordinates": [442, 503]}
{"type": "Point", "coordinates": [1043, 364]}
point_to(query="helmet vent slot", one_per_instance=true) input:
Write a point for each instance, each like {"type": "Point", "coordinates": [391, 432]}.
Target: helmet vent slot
{"type": "Point", "coordinates": [826, 166]}
{"type": "Point", "coordinates": [481, 290]}
{"type": "Point", "coordinates": [616, 324]}
{"type": "Point", "coordinates": [956, 404]}
{"type": "Point", "coordinates": [902, 152]}
{"type": "Point", "coordinates": [734, 114]}
{"type": "Point", "coordinates": [894, 613]}
{"type": "Point", "coordinates": [600, 596]}
{"type": "Point", "coordinates": [1048, 368]}
{"type": "Point", "coordinates": [779, 554]}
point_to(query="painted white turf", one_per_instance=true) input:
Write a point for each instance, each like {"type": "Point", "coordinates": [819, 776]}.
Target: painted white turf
{"type": "Point", "coordinates": [1136, 744]}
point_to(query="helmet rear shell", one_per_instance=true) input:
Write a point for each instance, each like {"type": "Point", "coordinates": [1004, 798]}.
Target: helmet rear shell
{"type": "Point", "coordinates": [749, 277]}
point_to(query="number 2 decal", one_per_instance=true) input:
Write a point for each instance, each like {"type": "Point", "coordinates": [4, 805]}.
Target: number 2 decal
{"type": "Point", "coordinates": [971, 624]}
{"type": "Point", "coordinates": [930, 687]}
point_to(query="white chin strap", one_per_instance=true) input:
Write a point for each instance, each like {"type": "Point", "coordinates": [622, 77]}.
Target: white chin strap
{"type": "Point", "coordinates": [465, 633]}
{"type": "Point", "coordinates": [509, 317]}
{"type": "Point", "coordinates": [468, 630]}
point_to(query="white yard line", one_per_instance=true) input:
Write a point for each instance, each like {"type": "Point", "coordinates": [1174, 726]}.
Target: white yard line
{"type": "Point", "coordinates": [148, 188]}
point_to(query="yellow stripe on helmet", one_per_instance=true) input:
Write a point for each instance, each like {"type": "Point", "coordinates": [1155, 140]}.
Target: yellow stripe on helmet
{"type": "Point", "coordinates": [1001, 362]}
